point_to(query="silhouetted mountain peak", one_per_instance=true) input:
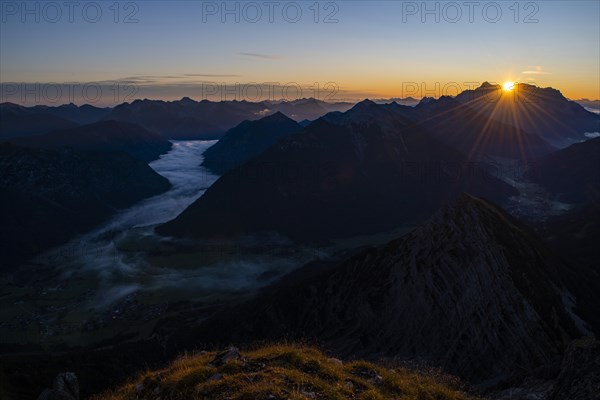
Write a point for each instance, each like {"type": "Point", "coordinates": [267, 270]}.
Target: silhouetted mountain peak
{"type": "Point", "coordinates": [187, 100]}
{"type": "Point", "coordinates": [442, 103]}
{"type": "Point", "coordinates": [365, 103]}
{"type": "Point", "coordinates": [309, 100]}
{"type": "Point", "coordinates": [487, 85]}
{"type": "Point", "coordinates": [275, 117]}
{"type": "Point", "coordinates": [9, 105]}
{"type": "Point", "coordinates": [364, 109]}
{"type": "Point", "coordinates": [426, 100]}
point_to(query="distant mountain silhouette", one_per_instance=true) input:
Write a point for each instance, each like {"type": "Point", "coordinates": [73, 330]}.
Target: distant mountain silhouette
{"type": "Point", "coordinates": [189, 119]}
{"type": "Point", "coordinates": [18, 121]}
{"type": "Point", "coordinates": [310, 108]}
{"type": "Point", "coordinates": [541, 111]}
{"type": "Point", "coordinates": [571, 174]}
{"type": "Point", "coordinates": [85, 114]}
{"type": "Point", "coordinates": [247, 140]}
{"type": "Point", "coordinates": [406, 101]}
{"type": "Point", "coordinates": [49, 196]}
{"type": "Point", "coordinates": [103, 136]}
{"type": "Point", "coordinates": [471, 290]}
{"type": "Point", "coordinates": [390, 116]}
{"type": "Point", "coordinates": [183, 119]}
{"type": "Point", "coordinates": [335, 180]}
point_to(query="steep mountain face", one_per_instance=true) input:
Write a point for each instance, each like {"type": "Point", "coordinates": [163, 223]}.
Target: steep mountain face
{"type": "Point", "coordinates": [103, 136]}
{"type": "Point", "coordinates": [335, 180]}
{"type": "Point", "coordinates": [247, 140]}
{"type": "Point", "coordinates": [49, 196]}
{"type": "Point", "coordinates": [541, 111]}
{"type": "Point", "coordinates": [471, 290]}
{"type": "Point", "coordinates": [571, 174]}
{"type": "Point", "coordinates": [18, 121]}
{"type": "Point", "coordinates": [477, 135]}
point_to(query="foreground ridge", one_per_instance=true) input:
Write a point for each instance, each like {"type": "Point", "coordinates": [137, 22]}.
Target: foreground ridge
{"type": "Point", "coordinates": [284, 371]}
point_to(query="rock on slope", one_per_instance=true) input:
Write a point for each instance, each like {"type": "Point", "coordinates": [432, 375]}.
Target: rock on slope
{"type": "Point", "coordinates": [247, 140]}
{"type": "Point", "coordinates": [471, 291]}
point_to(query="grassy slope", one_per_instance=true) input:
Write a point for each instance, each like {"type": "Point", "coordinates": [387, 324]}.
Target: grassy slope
{"type": "Point", "coordinates": [282, 372]}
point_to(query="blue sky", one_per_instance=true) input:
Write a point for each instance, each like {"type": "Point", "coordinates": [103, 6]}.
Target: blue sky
{"type": "Point", "coordinates": [373, 50]}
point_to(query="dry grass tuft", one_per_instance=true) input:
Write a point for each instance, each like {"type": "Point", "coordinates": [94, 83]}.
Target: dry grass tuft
{"type": "Point", "coordinates": [283, 372]}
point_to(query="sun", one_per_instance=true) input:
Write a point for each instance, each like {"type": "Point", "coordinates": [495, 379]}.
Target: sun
{"type": "Point", "coordinates": [508, 86]}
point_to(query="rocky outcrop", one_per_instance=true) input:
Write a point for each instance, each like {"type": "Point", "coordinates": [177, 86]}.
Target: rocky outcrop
{"type": "Point", "coordinates": [576, 378]}
{"type": "Point", "coordinates": [579, 378]}
{"type": "Point", "coordinates": [471, 291]}
{"type": "Point", "coordinates": [66, 387]}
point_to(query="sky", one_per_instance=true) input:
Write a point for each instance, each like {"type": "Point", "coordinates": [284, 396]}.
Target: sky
{"type": "Point", "coordinates": [106, 52]}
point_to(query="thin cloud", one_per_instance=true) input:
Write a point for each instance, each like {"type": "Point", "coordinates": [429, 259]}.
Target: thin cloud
{"type": "Point", "coordinates": [263, 56]}
{"type": "Point", "coordinates": [158, 79]}
{"type": "Point", "coordinates": [213, 75]}
{"type": "Point", "coordinates": [536, 70]}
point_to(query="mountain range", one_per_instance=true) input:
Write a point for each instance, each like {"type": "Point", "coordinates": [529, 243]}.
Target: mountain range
{"type": "Point", "coordinates": [180, 119]}
{"type": "Point", "coordinates": [470, 289]}
{"type": "Point", "coordinates": [189, 119]}
{"type": "Point", "coordinates": [358, 176]}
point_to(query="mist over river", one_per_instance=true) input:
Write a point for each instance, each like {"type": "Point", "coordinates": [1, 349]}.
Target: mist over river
{"type": "Point", "coordinates": [125, 256]}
